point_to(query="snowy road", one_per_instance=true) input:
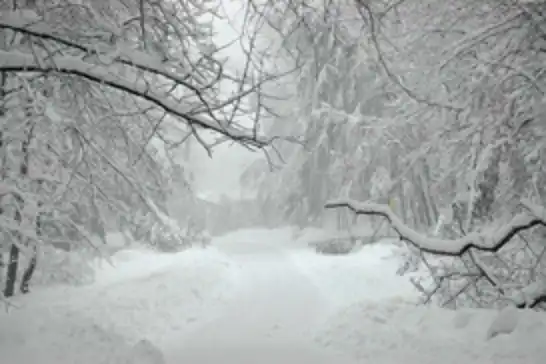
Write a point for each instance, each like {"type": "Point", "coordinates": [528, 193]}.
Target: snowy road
{"type": "Point", "coordinates": [272, 321]}
{"type": "Point", "coordinates": [257, 296]}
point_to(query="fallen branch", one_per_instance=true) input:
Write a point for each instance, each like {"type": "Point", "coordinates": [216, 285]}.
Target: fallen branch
{"type": "Point", "coordinates": [489, 240]}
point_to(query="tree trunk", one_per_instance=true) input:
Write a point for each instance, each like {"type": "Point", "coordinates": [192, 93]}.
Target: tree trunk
{"type": "Point", "coordinates": [13, 263]}
{"type": "Point", "coordinates": [11, 275]}
{"type": "Point", "coordinates": [29, 271]}
{"type": "Point", "coordinates": [3, 81]}
{"type": "Point", "coordinates": [14, 252]}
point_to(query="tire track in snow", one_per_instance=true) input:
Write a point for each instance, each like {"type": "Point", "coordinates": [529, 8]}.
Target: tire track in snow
{"type": "Point", "coordinates": [272, 321]}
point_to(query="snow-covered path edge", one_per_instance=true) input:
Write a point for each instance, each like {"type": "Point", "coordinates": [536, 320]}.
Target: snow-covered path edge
{"type": "Point", "coordinates": [276, 316]}
{"type": "Point", "coordinates": [146, 296]}
{"type": "Point", "coordinates": [393, 332]}
{"type": "Point", "coordinates": [368, 274]}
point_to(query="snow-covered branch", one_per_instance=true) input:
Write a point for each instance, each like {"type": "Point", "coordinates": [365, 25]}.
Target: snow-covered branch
{"type": "Point", "coordinates": [531, 295]}
{"type": "Point", "coordinates": [116, 53]}
{"type": "Point", "coordinates": [488, 240]}
{"type": "Point", "coordinates": [89, 92]}
{"type": "Point", "coordinates": [13, 61]}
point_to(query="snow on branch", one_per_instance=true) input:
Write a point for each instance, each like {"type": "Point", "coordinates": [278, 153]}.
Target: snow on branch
{"type": "Point", "coordinates": [489, 240]}
{"type": "Point", "coordinates": [14, 61]}
{"type": "Point", "coordinates": [531, 295]}
{"type": "Point", "coordinates": [123, 55]}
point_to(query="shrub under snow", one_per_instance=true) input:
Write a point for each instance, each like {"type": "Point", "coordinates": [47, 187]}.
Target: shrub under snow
{"type": "Point", "coordinates": [165, 234]}
{"type": "Point", "coordinates": [57, 266]}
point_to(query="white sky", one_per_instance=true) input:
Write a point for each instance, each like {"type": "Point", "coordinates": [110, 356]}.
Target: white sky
{"type": "Point", "coordinates": [220, 175]}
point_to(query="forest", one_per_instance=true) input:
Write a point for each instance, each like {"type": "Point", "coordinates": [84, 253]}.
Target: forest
{"type": "Point", "coordinates": [424, 116]}
{"type": "Point", "coordinates": [421, 118]}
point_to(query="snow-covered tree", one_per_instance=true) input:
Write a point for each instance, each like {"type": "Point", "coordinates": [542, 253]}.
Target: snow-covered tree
{"type": "Point", "coordinates": [338, 99]}
{"type": "Point", "coordinates": [453, 134]}
{"type": "Point", "coordinates": [89, 92]}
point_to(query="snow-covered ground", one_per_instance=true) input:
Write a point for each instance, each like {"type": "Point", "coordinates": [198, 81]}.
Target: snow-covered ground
{"type": "Point", "coordinates": [375, 318]}
{"type": "Point", "coordinates": [366, 275]}
{"type": "Point", "coordinates": [394, 332]}
{"type": "Point", "coordinates": [143, 296]}
{"type": "Point", "coordinates": [258, 296]}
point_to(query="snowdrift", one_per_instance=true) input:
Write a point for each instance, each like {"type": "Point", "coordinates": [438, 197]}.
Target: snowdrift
{"type": "Point", "coordinates": [165, 295]}
{"type": "Point", "coordinates": [58, 335]}
{"type": "Point", "coordinates": [394, 331]}
{"type": "Point", "coordinates": [145, 297]}
{"type": "Point", "coordinates": [367, 274]}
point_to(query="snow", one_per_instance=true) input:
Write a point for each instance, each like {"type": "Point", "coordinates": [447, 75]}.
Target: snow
{"type": "Point", "coordinates": [263, 296]}
{"type": "Point", "coordinates": [313, 235]}
{"type": "Point", "coordinates": [145, 352]}
{"type": "Point", "coordinates": [505, 322]}
{"type": "Point", "coordinates": [393, 332]}
{"type": "Point", "coordinates": [368, 274]}
{"type": "Point", "coordinates": [489, 240]}
{"type": "Point", "coordinates": [528, 295]}
{"type": "Point", "coordinates": [15, 60]}
{"type": "Point", "coordinates": [143, 296]}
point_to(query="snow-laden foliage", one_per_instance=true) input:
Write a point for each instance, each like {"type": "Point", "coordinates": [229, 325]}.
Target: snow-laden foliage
{"type": "Point", "coordinates": [166, 234]}
{"type": "Point", "coordinates": [94, 97]}
{"type": "Point", "coordinates": [60, 267]}
{"type": "Point", "coordinates": [433, 108]}
{"type": "Point", "coordinates": [337, 85]}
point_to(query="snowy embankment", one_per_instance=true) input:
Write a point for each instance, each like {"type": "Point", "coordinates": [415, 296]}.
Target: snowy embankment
{"type": "Point", "coordinates": [143, 296]}
{"type": "Point", "coordinates": [374, 318]}
{"type": "Point", "coordinates": [270, 287]}
{"type": "Point", "coordinates": [392, 332]}
{"type": "Point", "coordinates": [368, 274]}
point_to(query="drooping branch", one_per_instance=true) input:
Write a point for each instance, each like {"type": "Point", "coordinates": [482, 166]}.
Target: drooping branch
{"type": "Point", "coordinates": [488, 240]}
{"type": "Point", "coordinates": [14, 61]}
{"type": "Point", "coordinates": [124, 56]}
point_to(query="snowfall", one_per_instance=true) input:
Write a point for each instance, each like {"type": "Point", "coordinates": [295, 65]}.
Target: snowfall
{"type": "Point", "coordinates": [257, 296]}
